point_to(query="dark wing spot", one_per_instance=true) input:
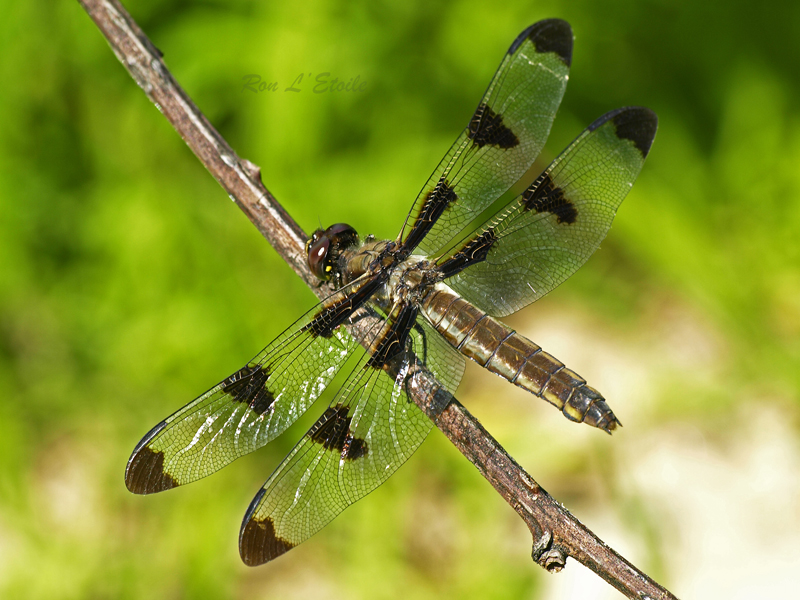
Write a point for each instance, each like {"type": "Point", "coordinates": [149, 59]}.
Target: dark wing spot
{"type": "Point", "coordinates": [394, 339]}
{"type": "Point", "coordinates": [550, 35]}
{"type": "Point", "coordinates": [544, 196]}
{"type": "Point", "coordinates": [487, 128]}
{"type": "Point", "coordinates": [436, 201]}
{"type": "Point", "coordinates": [258, 543]}
{"type": "Point", "coordinates": [145, 472]}
{"type": "Point", "coordinates": [475, 251]}
{"type": "Point", "coordinates": [332, 430]}
{"type": "Point", "coordinates": [336, 313]}
{"type": "Point", "coordinates": [249, 385]}
{"type": "Point", "coordinates": [354, 448]}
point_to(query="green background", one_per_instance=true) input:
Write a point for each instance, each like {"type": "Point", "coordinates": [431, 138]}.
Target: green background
{"type": "Point", "coordinates": [129, 284]}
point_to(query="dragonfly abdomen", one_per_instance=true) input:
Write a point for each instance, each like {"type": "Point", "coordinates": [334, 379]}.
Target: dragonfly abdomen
{"type": "Point", "coordinates": [503, 351]}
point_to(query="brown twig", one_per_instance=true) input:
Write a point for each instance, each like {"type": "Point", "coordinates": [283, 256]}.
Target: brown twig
{"type": "Point", "coordinates": [556, 533]}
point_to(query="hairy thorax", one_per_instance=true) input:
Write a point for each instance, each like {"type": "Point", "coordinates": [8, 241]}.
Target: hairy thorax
{"type": "Point", "coordinates": [408, 278]}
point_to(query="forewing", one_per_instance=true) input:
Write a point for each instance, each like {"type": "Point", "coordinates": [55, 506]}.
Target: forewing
{"type": "Point", "coordinates": [545, 234]}
{"type": "Point", "coordinates": [504, 137]}
{"type": "Point", "coordinates": [252, 406]}
{"type": "Point", "coordinates": [370, 429]}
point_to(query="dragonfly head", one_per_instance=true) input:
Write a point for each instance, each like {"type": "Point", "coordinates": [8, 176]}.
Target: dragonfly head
{"type": "Point", "coordinates": [324, 248]}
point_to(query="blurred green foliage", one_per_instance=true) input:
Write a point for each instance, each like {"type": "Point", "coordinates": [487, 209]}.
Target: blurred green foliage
{"type": "Point", "coordinates": [129, 283]}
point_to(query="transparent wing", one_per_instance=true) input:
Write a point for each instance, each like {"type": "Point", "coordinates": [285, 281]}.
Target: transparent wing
{"type": "Point", "coordinates": [544, 235]}
{"type": "Point", "coordinates": [504, 137]}
{"type": "Point", "coordinates": [369, 430]}
{"type": "Point", "coordinates": [254, 405]}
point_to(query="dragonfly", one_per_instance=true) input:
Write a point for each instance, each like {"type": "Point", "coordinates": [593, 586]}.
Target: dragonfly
{"type": "Point", "coordinates": [466, 255]}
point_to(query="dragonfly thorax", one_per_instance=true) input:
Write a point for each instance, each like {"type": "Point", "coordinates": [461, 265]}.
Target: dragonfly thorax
{"type": "Point", "coordinates": [409, 280]}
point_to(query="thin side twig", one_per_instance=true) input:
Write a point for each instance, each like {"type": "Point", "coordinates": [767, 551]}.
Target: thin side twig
{"type": "Point", "coordinates": [556, 533]}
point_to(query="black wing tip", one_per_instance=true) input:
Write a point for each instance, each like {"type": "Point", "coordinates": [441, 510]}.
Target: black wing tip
{"type": "Point", "coordinates": [549, 35]}
{"type": "Point", "coordinates": [258, 542]}
{"type": "Point", "coordinates": [636, 123]}
{"type": "Point", "coordinates": [145, 473]}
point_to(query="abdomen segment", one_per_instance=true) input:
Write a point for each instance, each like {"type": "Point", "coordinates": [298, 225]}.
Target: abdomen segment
{"type": "Point", "coordinates": [503, 351]}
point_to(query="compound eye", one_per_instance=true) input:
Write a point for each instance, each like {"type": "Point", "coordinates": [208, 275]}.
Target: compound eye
{"type": "Point", "coordinates": [318, 257]}
{"type": "Point", "coordinates": [343, 233]}
{"type": "Point", "coordinates": [314, 237]}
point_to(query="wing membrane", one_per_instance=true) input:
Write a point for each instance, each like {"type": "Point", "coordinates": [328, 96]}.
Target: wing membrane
{"type": "Point", "coordinates": [369, 430]}
{"type": "Point", "coordinates": [504, 137]}
{"type": "Point", "coordinates": [544, 235]}
{"type": "Point", "coordinates": [254, 405]}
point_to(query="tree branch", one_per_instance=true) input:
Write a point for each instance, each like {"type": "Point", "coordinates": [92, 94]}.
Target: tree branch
{"type": "Point", "coordinates": [556, 533]}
